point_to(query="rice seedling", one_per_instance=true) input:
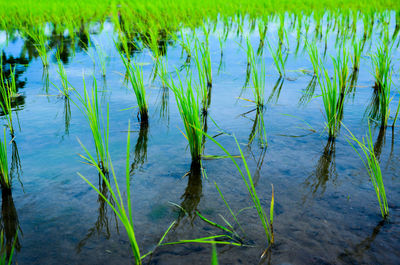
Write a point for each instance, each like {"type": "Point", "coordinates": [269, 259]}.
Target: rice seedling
{"type": "Point", "coordinates": [371, 163]}
{"type": "Point", "coordinates": [186, 42]}
{"type": "Point", "coordinates": [340, 64]}
{"type": "Point", "coordinates": [204, 61]}
{"type": "Point", "coordinates": [313, 53]}
{"type": "Point", "coordinates": [8, 90]}
{"type": "Point", "coordinates": [135, 74]}
{"type": "Point", "coordinates": [102, 58]}
{"type": "Point", "coordinates": [358, 47]}
{"type": "Point", "coordinates": [262, 32]}
{"type": "Point", "coordinates": [124, 210]}
{"type": "Point", "coordinates": [6, 178]}
{"type": "Point", "coordinates": [41, 44]}
{"type": "Point", "coordinates": [188, 104]}
{"type": "Point", "coordinates": [257, 75]}
{"type": "Point", "coordinates": [63, 76]}
{"type": "Point", "coordinates": [280, 58]}
{"type": "Point", "coordinates": [124, 213]}
{"type": "Point", "coordinates": [266, 221]}
{"type": "Point", "coordinates": [381, 63]}
{"type": "Point", "coordinates": [333, 106]}
{"type": "Point", "coordinates": [91, 108]}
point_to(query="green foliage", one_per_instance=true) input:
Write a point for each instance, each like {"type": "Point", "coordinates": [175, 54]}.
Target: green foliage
{"type": "Point", "coordinates": [8, 90]}
{"type": "Point", "coordinates": [90, 106]}
{"type": "Point", "coordinates": [371, 163]}
{"type": "Point", "coordinates": [381, 64]}
{"type": "Point", "coordinates": [257, 75]}
{"type": "Point", "coordinates": [333, 105]}
{"type": "Point", "coordinates": [5, 176]}
{"type": "Point", "coordinates": [187, 101]}
{"type": "Point", "coordinates": [267, 222]}
{"type": "Point", "coordinates": [124, 213]}
{"type": "Point", "coordinates": [135, 74]}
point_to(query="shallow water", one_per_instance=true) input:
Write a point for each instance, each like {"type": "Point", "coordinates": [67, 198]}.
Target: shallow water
{"type": "Point", "coordinates": [326, 211]}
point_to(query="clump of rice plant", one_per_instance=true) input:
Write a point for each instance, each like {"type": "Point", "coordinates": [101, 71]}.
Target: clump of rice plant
{"type": "Point", "coordinates": [371, 163]}
{"type": "Point", "coordinates": [102, 58]}
{"type": "Point", "coordinates": [313, 53]}
{"type": "Point", "coordinates": [63, 76]}
{"type": "Point", "coordinates": [124, 213]}
{"type": "Point", "coordinates": [204, 61]}
{"type": "Point", "coordinates": [381, 62]}
{"type": "Point", "coordinates": [41, 45]}
{"type": "Point", "coordinates": [135, 74]}
{"type": "Point", "coordinates": [187, 101]}
{"type": "Point", "coordinates": [333, 105]}
{"type": "Point", "coordinates": [358, 47]}
{"type": "Point", "coordinates": [266, 221]}
{"type": "Point", "coordinates": [8, 90]}
{"type": "Point", "coordinates": [257, 75]}
{"type": "Point", "coordinates": [5, 176]}
{"type": "Point", "coordinates": [123, 210]}
{"type": "Point", "coordinates": [203, 65]}
{"type": "Point", "coordinates": [280, 58]}
{"type": "Point", "coordinates": [340, 64]}
{"type": "Point", "coordinates": [90, 106]}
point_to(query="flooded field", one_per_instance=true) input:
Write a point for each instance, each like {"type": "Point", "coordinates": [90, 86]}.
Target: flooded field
{"type": "Point", "coordinates": [244, 133]}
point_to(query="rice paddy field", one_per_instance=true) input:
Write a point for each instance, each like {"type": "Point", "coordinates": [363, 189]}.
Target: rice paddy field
{"type": "Point", "coordinates": [200, 132]}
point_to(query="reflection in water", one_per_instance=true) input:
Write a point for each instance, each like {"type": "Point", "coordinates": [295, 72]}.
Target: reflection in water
{"type": "Point", "coordinates": [324, 170]}
{"type": "Point", "coordinates": [9, 223]}
{"type": "Point", "coordinates": [45, 79]}
{"type": "Point", "coordinates": [16, 166]}
{"type": "Point", "coordinates": [258, 128]}
{"type": "Point", "coordinates": [353, 83]}
{"type": "Point", "coordinates": [192, 195]}
{"type": "Point", "coordinates": [164, 103]}
{"type": "Point", "coordinates": [276, 90]}
{"type": "Point", "coordinates": [380, 142]}
{"type": "Point", "coordinates": [102, 224]}
{"type": "Point", "coordinates": [353, 255]}
{"type": "Point", "coordinates": [140, 148]}
{"type": "Point", "coordinates": [260, 162]}
{"type": "Point", "coordinates": [308, 92]}
{"type": "Point", "coordinates": [13, 68]}
{"type": "Point", "coordinates": [67, 115]}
